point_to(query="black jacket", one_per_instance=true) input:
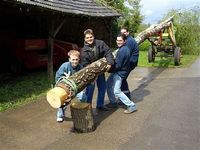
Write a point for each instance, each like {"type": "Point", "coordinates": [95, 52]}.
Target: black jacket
{"type": "Point", "coordinates": [97, 50]}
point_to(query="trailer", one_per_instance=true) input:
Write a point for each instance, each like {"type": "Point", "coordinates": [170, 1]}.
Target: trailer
{"type": "Point", "coordinates": [164, 42]}
{"type": "Point", "coordinates": [31, 54]}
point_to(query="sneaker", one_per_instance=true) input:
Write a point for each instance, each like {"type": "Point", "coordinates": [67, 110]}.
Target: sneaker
{"type": "Point", "coordinates": [60, 119]}
{"type": "Point", "coordinates": [60, 114]}
{"type": "Point", "coordinates": [102, 108]}
{"type": "Point", "coordinates": [112, 105]}
{"type": "Point", "coordinates": [130, 109]}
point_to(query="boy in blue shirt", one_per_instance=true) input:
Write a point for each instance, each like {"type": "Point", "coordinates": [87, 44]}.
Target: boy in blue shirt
{"type": "Point", "coordinates": [66, 70]}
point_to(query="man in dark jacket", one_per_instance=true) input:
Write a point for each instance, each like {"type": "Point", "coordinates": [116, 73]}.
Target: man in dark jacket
{"type": "Point", "coordinates": [120, 71]}
{"type": "Point", "coordinates": [93, 50]}
{"type": "Point", "coordinates": [134, 50]}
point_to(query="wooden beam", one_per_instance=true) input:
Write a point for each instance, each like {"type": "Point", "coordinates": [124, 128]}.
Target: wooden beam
{"type": "Point", "coordinates": [52, 35]}
{"type": "Point", "coordinates": [50, 53]}
{"type": "Point", "coordinates": [59, 27]}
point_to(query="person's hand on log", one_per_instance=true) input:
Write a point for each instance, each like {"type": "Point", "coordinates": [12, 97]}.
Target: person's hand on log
{"type": "Point", "coordinates": [66, 75]}
{"type": "Point", "coordinates": [108, 67]}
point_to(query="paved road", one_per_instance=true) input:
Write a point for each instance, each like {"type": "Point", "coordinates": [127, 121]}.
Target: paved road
{"type": "Point", "coordinates": [168, 118]}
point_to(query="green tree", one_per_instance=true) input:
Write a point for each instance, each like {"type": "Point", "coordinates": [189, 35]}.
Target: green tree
{"type": "Point", "coordinates": [130, 10]}
{"type": "Point", "coordinates": [134, 16]}
{"type": "Point", "coordinates": [187, 27]}
{"type": "Point", "coordinates": [116, 4]}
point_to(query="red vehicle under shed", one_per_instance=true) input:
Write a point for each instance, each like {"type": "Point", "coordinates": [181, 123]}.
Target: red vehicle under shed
{"type": "Point", "coordinates": [32, 53]}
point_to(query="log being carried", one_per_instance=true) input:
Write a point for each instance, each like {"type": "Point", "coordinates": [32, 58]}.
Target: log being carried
{"type": "Point", "coordinates": [78, 81]}
{"type": "Point", "coordinates": [75, 83]}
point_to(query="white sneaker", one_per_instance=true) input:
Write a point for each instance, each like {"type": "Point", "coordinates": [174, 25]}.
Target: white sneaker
{"type": "Point", "coordinates": [60, 119]}
{"type": "Point", "coordinates": [130, 109]}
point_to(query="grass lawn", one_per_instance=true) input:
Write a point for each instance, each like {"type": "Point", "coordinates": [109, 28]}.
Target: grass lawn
{"type": "Point", "coordinates": [19, 90]}
{"type": "Point", "coordinates": [186, 60]}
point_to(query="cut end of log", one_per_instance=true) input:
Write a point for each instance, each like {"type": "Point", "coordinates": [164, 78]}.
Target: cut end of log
{"type": "Point", "coordinates": [80, 105]}
{"type": "Point", "coordinates": [56, 97]}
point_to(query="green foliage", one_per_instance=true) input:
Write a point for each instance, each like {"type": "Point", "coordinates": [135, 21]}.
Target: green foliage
{"type": "Point", "coordinates": [143, 27]}
{"type": "Point", "coordinates": [115, 4]}
{"type": "Point", "coordinates": [16, 91]}
{"type": "Point", "coordinates": [165, 62]}
{"type": "Point", "coordinates": [132, 18]}
{"type": "Point", "coordinates": [144, 46]}
{"type": "Point", "coordinates": [187, 27]}
{"type": "Point", "coordinates": [130, 10]}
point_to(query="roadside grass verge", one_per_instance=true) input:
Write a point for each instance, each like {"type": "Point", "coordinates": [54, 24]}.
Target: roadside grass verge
{"type": "Point", "coordinates": [162, 61]}
{"type": "Point", "coordinates": [166, 62]}
{"type": "Point", "coordinates": [19, 90]}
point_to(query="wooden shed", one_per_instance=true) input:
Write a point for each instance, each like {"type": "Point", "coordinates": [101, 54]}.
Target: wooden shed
{"type": "Point", "coordinates": [53, 19]}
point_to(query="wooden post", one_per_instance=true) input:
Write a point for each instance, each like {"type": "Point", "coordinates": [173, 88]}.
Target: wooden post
{"type": "Point", "coordinates": [50, 53]}
{"type": "Point", "coordinates": [52, 35]}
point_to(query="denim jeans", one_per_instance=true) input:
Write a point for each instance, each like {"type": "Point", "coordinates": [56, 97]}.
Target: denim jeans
{"type": "Point", "coordinates": [114, 83]}
{"type": "Point", "coordinates": [124, 87]}
{"type": "Point", "coordinates": [81, 96]}
{"type": "Point", "coordinates": [101, 85]}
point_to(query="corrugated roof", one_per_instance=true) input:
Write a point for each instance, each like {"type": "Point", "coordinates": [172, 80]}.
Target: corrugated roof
{"type": "Point", "coordinates": [79, 7]}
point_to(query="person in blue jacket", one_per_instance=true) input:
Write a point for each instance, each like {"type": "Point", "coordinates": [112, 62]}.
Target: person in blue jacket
{"type": "Point", "coordinates": [120, 71]}
{"type": "Point", "coordinates": [66, 70]}
{"type": "Point", "coordinates": [134, 52]}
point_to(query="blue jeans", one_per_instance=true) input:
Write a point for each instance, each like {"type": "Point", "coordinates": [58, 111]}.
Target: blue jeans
{"type": "Point", "coordinates": [124, 86]}
{"type": "Point", "coordinates": [81, 96]}
{"type": "Point", "coordinates": [101, 85]}
{"type": "Point", "coordinates": [114, 83]}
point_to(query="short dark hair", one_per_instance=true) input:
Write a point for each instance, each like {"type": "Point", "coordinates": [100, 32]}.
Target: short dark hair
{"type": "Point", "coordinates": [88, 31]}
{"type": "Point", "coordinates": [126, 28]}
{"type": "Point", "coordinates": [122, 35]}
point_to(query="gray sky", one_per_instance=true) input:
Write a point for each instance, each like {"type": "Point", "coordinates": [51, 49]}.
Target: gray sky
{"type": "Point", "coordinates": [154, 10]}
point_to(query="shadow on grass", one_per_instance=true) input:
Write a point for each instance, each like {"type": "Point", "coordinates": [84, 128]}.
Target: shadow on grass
{"type": "Point", "coordinates": [165, 61]}
{"type": "Point", "coordinates": [14, 88]}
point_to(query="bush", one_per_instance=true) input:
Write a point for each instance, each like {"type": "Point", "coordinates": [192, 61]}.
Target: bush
{"type": "Point", "coordinates": [144, 46]}
{"type": "Point", "coordinates": [187, 27]}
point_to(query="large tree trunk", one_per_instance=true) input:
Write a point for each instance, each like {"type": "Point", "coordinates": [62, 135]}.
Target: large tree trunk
{"type": "Point", "coordinates": [78, 81]}
{"type": "Point", "coordinates": [75, 83]}
{"type": "Point", "coordinates": [152, 30]}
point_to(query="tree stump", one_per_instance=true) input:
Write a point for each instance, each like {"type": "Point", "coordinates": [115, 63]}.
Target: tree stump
{"type": "Point", "coordinates": [82, 117]}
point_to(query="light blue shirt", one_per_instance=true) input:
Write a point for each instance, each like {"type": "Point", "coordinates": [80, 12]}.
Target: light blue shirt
{"type": "Point", "coordinates": [66, 68]}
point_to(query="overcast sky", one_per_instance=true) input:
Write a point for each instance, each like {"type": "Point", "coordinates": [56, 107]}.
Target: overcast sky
{"type": "Point", "coordinates": [154, 10]}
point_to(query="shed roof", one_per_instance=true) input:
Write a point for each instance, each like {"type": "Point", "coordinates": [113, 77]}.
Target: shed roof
{"type": "Point", "coordinates": [78, 7]}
